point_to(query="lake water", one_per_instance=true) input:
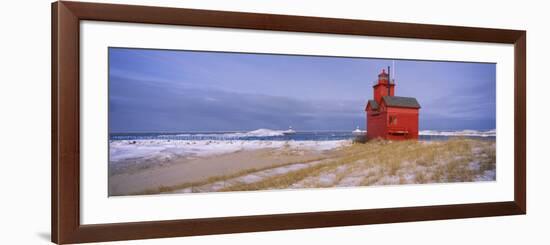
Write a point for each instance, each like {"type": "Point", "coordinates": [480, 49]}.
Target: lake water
{"type": "Point", "coordinates": [282, 135]}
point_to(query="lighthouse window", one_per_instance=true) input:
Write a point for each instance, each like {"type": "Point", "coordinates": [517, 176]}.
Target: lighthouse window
{"type": "Point", "coordinates": [393, 120]}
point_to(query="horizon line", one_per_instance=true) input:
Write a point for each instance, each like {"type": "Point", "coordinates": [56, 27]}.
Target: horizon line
{"type": "Point", "coordinates": [328, 130]}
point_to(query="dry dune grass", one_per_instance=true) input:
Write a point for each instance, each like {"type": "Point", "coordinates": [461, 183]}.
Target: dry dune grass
{"type": "Point", "coordinates": [384, 162]}
{"type": "Point", "coordinates": [365, 164]}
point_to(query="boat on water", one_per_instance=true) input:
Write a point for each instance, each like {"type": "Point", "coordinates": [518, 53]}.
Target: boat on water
{"type": "Point", "coordinates": [289, 131]}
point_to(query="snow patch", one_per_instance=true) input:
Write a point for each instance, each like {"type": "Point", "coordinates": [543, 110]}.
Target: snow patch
{"type": "Point", "coordinates": [167, 149]}
{"type": "Point", "coordinates": [468, 132]}
{"type": "Point", "coordinates": [254, 133]}
{"type": "Point", "coordinates": [488, 175]}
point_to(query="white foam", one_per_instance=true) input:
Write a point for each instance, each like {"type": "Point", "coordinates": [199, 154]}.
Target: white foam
{"type": "Point", "coordinates": [255, 133]}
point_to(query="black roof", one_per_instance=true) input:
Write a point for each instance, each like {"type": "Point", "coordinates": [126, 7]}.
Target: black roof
{"type": "Point", "coordinates": [373, 104]}
{"type": "Point", "coordinates": [398, 101]}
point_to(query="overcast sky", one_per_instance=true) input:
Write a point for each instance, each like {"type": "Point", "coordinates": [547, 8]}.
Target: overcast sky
{"type": "Point", "coordinates": [162, 90]}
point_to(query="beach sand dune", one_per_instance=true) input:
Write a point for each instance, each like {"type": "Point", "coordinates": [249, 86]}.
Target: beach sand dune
{"type": "Point", "coordinates": [199, 169]}
{"type": "Point", "coordinates": [350, 165]}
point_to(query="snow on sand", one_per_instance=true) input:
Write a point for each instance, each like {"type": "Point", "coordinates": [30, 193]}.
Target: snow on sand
{"type": "Point", "coordinates": [121, 150]}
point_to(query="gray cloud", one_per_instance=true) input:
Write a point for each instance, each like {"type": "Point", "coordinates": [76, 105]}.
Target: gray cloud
{"type": "Point", "coordinates": [148, 107]}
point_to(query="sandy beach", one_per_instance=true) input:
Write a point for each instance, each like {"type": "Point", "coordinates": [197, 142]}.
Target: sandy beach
{"type": "Point", "coordinates": [182, 170]}
{"type": "Point", "coordinates": [186, 167]}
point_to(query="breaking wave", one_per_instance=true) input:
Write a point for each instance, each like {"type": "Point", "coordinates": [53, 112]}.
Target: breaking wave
{"type": "Point", "coordinates": [255, 133]}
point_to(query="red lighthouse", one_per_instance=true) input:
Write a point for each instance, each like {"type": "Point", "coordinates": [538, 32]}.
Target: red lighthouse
{"type": "Point", "coordinates": [389, 116]}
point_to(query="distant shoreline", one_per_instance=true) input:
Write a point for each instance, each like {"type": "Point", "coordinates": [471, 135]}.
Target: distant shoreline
{"type": "Point", "coordinates": [285, 135]}
{"type": "Point", "coordinates": [299, 131]}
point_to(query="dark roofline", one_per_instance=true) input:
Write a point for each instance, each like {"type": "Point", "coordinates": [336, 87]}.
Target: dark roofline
{"type": "Point", "coordinates": [374, 105]}
{"type": "Point", "coordinates": [378, 84]}
{"type": "Point", "coordinates": [402, 102]}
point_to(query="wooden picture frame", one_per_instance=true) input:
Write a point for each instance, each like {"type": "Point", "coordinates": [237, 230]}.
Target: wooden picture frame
{"type": "Point", "coordinates": [65, 169]}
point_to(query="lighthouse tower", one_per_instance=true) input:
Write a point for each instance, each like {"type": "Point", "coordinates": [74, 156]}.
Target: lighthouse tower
{"type": "Point", "coordinates": [389, 116]}
{"type": "Point", "coordinates": [383, 87]}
